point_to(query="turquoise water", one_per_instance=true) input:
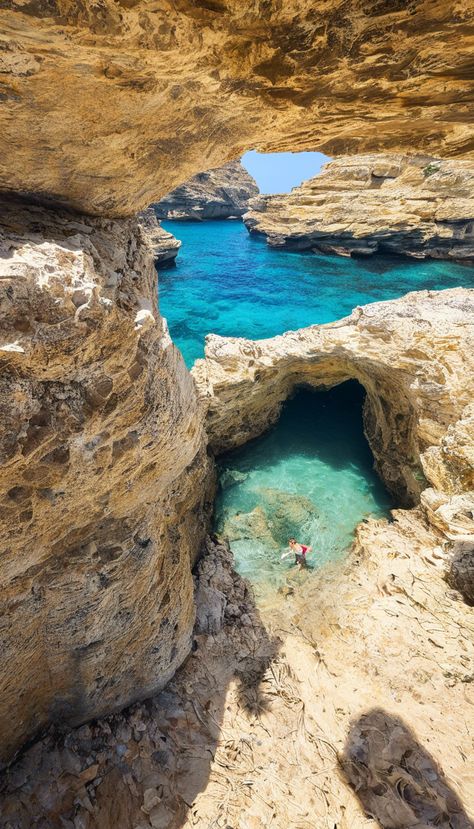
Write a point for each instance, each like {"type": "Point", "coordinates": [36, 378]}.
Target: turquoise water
{"type": "Point", "coordinates": [230, 283]}
{"type": "Point", "coordinates": [310, 477]}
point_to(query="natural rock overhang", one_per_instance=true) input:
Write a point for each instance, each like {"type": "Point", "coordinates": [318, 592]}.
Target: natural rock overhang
{"type": "Point", "coordinates": [108, 106]}
{"type": "Point", "coordinates": [415, 358]}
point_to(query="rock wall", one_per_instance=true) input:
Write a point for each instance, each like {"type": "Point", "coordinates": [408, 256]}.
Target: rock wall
{"type": "Point", "coordinates": [415, 358]}
{"type": "Point", "coordinates": [216, 194]}
{"type": "Point", "coordinates": [105, 483]}
{"type": "Point", "coordinates": [164, 245]}
{"type": "Point", "coordinates": [418, 206]}
{"type": "Point", "coordinates": [107, 106]}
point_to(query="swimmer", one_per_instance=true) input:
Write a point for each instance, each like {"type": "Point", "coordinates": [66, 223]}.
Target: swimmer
{"type": "Point", "coordinates": [299, 551]}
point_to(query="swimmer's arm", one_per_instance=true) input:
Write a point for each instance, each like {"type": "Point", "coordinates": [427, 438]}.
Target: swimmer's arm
{"type": "Point", "coordinates": [285, 555]}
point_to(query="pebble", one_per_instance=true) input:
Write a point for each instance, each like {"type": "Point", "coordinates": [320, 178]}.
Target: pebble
{"type": "Point", "coordinates": [151, 799]}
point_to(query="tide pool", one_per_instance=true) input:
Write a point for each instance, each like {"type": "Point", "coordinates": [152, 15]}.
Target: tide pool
{"type": "Point", "coordinates": [310, 477]}
{"type": "Point", "coordinates": [230, 283]}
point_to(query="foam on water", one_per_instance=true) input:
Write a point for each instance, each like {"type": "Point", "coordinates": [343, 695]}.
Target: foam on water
{"type": "Point", "coordinates": [311, 476]}
{"type": "Point", "coordinates": [230, 283]}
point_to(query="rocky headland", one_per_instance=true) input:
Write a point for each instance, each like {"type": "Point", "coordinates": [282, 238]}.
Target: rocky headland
{"type": "Point", "coordinates": [222, 193]}
{"type": "Point", "coordinates": [164, 245]}
{"type": "Point", "coordinates": [415, 358]}
{"type": "Point", "coordinates": [381, 203]}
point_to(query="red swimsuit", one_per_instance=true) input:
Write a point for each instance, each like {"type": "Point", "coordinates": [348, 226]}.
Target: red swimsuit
{"type": "Point", "coordinates": [300, 557]}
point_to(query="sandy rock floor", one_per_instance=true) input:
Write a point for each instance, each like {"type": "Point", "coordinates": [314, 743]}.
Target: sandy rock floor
{"type": "Point", "coordinates": [346, 701]}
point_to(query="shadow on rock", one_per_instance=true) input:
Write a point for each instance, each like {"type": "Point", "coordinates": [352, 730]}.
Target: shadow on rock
{"type": "Point", "coordinates": [145, 766]}
{"type": "Point", "coordinates": [461, 571]}
{"type": "Point", "coordinates": [399, 784]}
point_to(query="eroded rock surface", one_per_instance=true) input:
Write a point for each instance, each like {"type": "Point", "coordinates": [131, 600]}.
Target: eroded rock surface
{"type": "Point", "coordinates": [344, 702]}
{"type": "Point", "coordinates": [417, 206]}
{"type": "Point", "coordinates": [414, 356]}
{"type": "Point", "coordinates": [216, 194]}
{"type": "Point", "coordinates": [108, 106]}
{"type": "Point", "coordinates": [164, 245]}
{"type": "Point", "coordinates": [105, 481]}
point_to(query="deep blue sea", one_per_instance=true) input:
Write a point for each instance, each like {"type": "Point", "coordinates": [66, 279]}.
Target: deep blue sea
{"type": "Point", "coordinates": [230, 283]}
{"type": "Point", "coordinates": [311, 476]}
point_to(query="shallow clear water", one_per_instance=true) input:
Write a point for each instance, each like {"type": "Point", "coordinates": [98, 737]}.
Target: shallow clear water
{"type": "Point", "coordinates": [310, 477]}
{"type": "Point", "coordinates": [230, 283]}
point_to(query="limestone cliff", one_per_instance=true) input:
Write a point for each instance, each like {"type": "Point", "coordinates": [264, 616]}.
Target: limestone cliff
{"type": "Point", "coordinates": [418, 206]}
{"type": "Point", "coordinates": [105, 482]}
{"type": "Point", "coordinates": [415, 358]}
{"type": "Point", "coordinates": [164, 245]}
{"type": "Point", "coordinates": [109, 105]}
{"type": "Point", "coordinates": [216, 194]}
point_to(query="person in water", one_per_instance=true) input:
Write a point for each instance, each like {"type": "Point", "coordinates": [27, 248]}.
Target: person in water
{"type": "Point", "coordinates": [299, 551]}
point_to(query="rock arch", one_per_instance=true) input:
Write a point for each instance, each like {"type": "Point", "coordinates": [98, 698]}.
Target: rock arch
{"type": "Point", "coordinates": [405, 354]}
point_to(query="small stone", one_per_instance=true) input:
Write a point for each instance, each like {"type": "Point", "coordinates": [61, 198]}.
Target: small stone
{"type": "Point", "coordinates": [88, 774]}
{"type": "Point", "coordinates": [160, 817]}
{"type": "Point", "coordinates": [151, 799]}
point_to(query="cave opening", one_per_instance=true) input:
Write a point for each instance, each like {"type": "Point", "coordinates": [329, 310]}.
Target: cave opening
{"type": "Point", "coordinates": [311, 476]}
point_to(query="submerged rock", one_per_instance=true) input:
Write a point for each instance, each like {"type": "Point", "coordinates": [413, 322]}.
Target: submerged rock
{"type": "Point", "coordinates": [165, 246]}
{"type": "Point", "coordinates": [221, 193]}
{"type": "Point", "coordinates": [253, 526]}
{"type": "Point", "coordinates": [287, 514]}
{"type": "Point", "coordinates": [278, 516]}
{"type": "Point", "coordinates": [230, 477]}
{"type": "Point", "coordinates": [413, 205]}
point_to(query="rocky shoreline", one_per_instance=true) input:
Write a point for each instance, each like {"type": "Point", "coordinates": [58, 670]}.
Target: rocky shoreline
{"type": "Point", "coordinates": [326, 703]}
{"type": "Point", "coordinates": [164, 245]}
{"type": "Point", "coordinates": [415, 206]}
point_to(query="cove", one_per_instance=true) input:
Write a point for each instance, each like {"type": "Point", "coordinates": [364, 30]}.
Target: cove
{"type": "Point", "coordinates": [230, 283]}
{"type": "Point", "coordinates": [311, 477]}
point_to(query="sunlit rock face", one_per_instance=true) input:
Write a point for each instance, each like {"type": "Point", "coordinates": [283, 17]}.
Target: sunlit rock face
{"type": "Point", "coordinates": [223, 193]}
{"type": "Point", "coordinates": [364, 204]}
{"type": "Point", "coordinates": [164, 245]}
{"type": "Point", "coordinates": [105, 481]}
{"type": "Point", "coordinates": [108, 106]}
{"type": "Point", "coordinates": [415, 358]}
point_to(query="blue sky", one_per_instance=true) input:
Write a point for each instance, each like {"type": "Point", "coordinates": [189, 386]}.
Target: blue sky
{"type": "Point", "coordinates": [279, 172]}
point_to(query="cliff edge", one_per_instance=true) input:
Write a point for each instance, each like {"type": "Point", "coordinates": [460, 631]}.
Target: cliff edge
{"type": "Point", "coordinates": [417, 206]}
